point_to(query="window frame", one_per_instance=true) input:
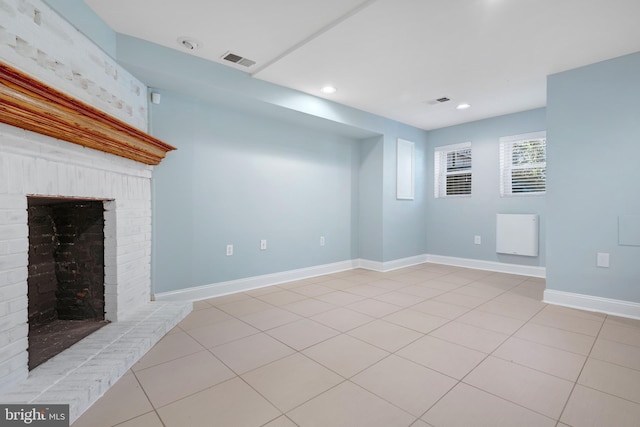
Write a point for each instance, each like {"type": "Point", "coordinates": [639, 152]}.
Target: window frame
{"type": "Point", "coordinates": [506, 168]}
{"type": "Point", "coordinates": [441, 173]}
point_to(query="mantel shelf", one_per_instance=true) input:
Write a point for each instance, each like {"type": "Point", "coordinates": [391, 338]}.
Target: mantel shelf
{"type": "Point", "coordinates": [29, 104]}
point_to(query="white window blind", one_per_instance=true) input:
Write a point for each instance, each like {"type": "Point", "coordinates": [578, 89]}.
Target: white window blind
{"type": "Point", "coordinates": [523, 164]}
{"type": "Point", "coordinates": [452, 170]}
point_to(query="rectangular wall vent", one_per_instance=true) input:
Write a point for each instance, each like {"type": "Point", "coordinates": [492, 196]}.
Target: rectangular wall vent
{"type": "Point", "coordinates": [237, 59]}
{"type": "Point", "coordinates": [438, 101]}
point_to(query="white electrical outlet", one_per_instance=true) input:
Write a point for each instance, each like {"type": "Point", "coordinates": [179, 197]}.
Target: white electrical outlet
{"type": "Point", "coordinates": [477, 240]}
{"type": "Point", "coordinates": [263, 244]}
{"type": "Point", "coordinates": [229, 250]}
{"type": "Point", "coordinates": [321, 240]}
{"type": "Point", "coordinates": [602, 260]}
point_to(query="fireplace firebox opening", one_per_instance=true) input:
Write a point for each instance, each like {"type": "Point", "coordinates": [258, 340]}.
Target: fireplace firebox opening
{"type": "Point", "coordinates": [66, 274]}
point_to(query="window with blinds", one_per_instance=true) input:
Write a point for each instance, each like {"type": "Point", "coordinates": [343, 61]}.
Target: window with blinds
{"type": "Point", "coordinates": [453, 170]}
{"type": "Point", "coordinates": [523, 164]}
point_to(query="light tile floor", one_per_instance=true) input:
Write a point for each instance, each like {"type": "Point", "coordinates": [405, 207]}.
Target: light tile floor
{"type": "Point", "coordinates": [428, 345]}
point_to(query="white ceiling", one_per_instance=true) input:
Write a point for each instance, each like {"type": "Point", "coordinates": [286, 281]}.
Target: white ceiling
{"type": "Point", "coordinates": [392, 57]}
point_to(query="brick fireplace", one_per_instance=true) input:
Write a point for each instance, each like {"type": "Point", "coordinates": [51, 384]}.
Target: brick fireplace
{"type": "Point", "coordinates": [33, 165]}
{"type": "Point", "coordinates": [108, 163]}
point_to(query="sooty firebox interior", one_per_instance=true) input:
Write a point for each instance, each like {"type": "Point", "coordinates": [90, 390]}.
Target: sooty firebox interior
{"type": "Point", "coordinates": [66, 274]}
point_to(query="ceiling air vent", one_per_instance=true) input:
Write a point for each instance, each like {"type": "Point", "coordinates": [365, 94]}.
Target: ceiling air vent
{"type": "Point", "coordinates": [237, 59]}
{"type": "Point", "coordinates": [439, 100]}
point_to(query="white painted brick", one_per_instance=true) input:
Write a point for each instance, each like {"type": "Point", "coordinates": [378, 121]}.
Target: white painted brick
{"type": "Point", "coordinates": [110, 250]}
{"type": "Point", "coordinates": [44, 183]}
{"type": "Point", "coordinates": [132, 257]}
{"type": "Point", "coordinates": [58, 54]}
{"type": "Point", "coordinates": [125, 238]}
{"type": "Point", "coordinates": [18, 305]}
{"type": "Point", "coordinates": [17, 397]}
{"type": "Point", "coordinates": [62, 365]}
{"type": "Point", "coordinates": [134, 248]}
{"type": "Point", "coordinates": [13, 348]}
{"type": "Point", "coordinates": [141, 212]}
{"type": "Point", "coordinates": [132, 269]}
{"type": "Point", "coordinates": [12, 232]}
{"type": "Point", "coordinates": [111, 307]}
{"type": "Point", "coordinates": [4, 174]}
{"type": "Point", "coordinates": [133, 252]}
{"type": "Point", "coordinates": [17, 246]}
{"type": "Point", "coordinates": [141, 224]}
{"type": "Point", "coordinates": [14, 170]}
{"type": "Point", "coordinates": [14, 334]}
{"type": "Point", "coordinates": [91, 384]}
{"type": "Point", "coordinates": [10, 277]}
{"type": "Point", "coordinates": [28, 172]}
{"type": "Point", "coordinates": [51, 175]}
{"type": "Point", "coordinates": [12, 371]}
{"type": "Point", "coordinates": [11, 133]}
{"type": "Point", "coordinates": [13, 202]}
{"type": "Point", "coordinates": [13, 216]}
{"type": "Point", "coordinates": [110, 269]}
{"type": "Point", "coordinates": [13, 261]}
{"type": "Point", "coordinates": [126, 204]}
{"type": "Point", "coordinates": [11, 321]}
{"type": "Point", "coordinates": [111, 290]}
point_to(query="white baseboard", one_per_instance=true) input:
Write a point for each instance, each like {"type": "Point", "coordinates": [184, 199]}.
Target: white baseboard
{"type": "Point", "coordinates": [500, 267]}
{"type": "Point", "coordinates": [391, 265]}
{"type": "Point", "coordinates": [592, 303]}
{"type": "Point", "coordinates": [241, 285]}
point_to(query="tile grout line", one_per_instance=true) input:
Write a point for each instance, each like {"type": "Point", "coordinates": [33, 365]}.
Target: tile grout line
{"type": "Point", "coordinates": [240, 377]}
{"type": "Point", "coordinates": [155, 410]}
{"type": "Point", "coordinates": [564, 407]}
{"type": "Point", "coordinates": [460, 381]}
{"type": "Point", "coordinates": [341, 376]}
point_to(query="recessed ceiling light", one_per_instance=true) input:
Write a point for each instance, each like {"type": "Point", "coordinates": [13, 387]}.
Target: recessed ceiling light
{"type": "Point", "coordinates": [463, 106]}
{"type": "Point", "coordinates": [189, 43]}
{"type": "Point", "coordinates": [329, 89]}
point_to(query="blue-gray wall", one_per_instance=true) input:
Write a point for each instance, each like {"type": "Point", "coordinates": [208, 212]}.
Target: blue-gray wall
{"type": "Point", "coordinates": [453, 222]}
{"type": "Point", "coordinates": [238, 178]}
{"type": "Point", "coordinates": [371, 199]}
{"type": "Point", "coordinates": [593, 131]}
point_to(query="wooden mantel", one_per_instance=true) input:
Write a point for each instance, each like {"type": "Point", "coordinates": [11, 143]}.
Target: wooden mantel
{"type": "Point", "coordinates": [29, 104]}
